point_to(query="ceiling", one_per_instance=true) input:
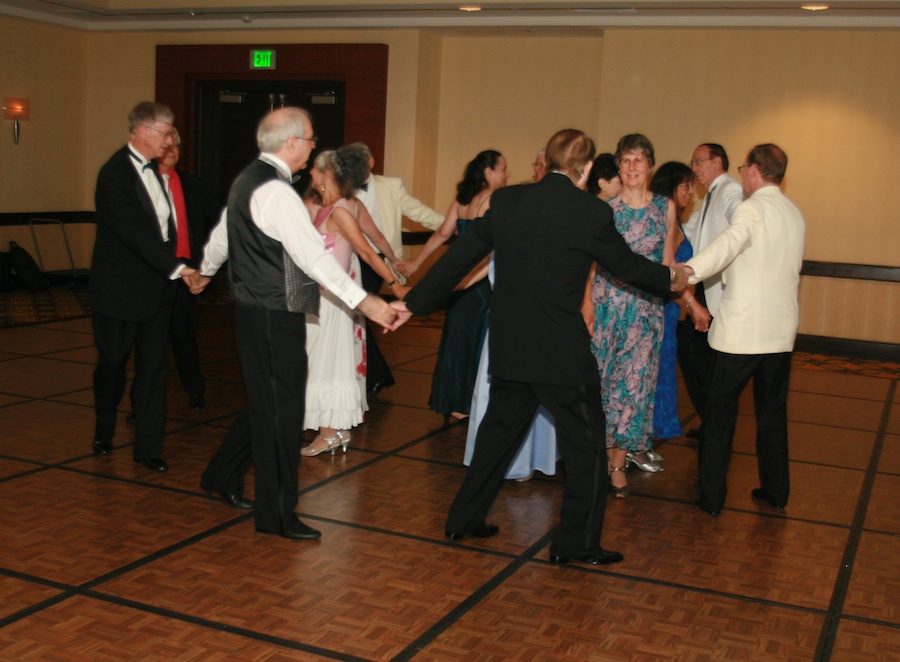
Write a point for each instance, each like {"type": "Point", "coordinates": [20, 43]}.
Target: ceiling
{"type": "Point", "coordinates": [518, 16]}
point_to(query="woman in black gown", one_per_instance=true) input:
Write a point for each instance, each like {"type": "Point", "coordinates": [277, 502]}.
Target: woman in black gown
{"type": "Point", "coordinates": [467, 310]}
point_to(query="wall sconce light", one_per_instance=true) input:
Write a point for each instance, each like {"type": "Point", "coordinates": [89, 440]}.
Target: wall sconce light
{"type": "Point", "coordinates": [17, 110]}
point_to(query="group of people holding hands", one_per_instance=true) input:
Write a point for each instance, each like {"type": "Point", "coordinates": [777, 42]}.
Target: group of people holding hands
{"type": "Point", "coordinates": [563, 281]}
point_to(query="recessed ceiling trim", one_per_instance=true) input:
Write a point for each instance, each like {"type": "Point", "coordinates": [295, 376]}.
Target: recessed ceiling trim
{"type": "Point", "coordinates": [549, 16]}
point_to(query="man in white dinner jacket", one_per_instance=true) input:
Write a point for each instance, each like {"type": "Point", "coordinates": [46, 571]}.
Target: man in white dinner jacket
{"type": "Point", "coordinates": [760, 256]}
{"type": "Point", "coordinates": [387, 201]}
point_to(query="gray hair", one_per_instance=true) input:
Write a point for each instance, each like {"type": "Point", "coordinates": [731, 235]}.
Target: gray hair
{"type": "Point", "coordinates": [149, 113]}
{"type": "Point", "coordinates": [325, 160]}
{"type": "Point", "coordinates": [364, 148]}
{"type": "Point", "coordinates": [279, 126]}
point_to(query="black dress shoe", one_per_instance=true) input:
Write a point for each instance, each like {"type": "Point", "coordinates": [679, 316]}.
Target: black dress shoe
{"type": "Point", "coordinates": [483, 530]}
{"type": "Point", "coordinates": [197, 401]}
{"type": "Point", "coordinates": [377, 387]}
{"type": "Point", "coordinates": [693, 433]}
{"type": "Point", "coordinates": [760, 494]}
{"type": "Point", "coordinates": [102, 447]}
{"type": "Point", "coordinates": [236, 501]}
{"type": "Point", "coordinates": [296, 531]}
{"type": "Point", "coordinates": [153, 463]}
{"type": "Point", "coordinates": [599, 557]}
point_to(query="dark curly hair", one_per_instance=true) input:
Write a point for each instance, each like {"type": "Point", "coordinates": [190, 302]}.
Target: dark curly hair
{"type": "Point", "coordinates": [603, 167]}
{"type": "Point", "coordinates": [473, 179]}
{"type": "Point", "coordinates": [350, 165]}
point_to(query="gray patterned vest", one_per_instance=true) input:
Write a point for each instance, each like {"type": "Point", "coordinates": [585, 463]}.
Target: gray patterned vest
{"type": "Point", "coordinates": [261, 272]}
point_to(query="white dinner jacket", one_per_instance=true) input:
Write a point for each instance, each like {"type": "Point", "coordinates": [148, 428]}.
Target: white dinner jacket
{"type": "Point", "coordinates": [761, 254]}
{"type": "Point", "coordinates": [727, 195]}
{"type": "Point", "coordinates": [394, 202]}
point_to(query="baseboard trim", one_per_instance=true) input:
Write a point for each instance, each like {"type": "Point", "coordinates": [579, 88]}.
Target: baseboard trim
{"type": "Point", "coordinates": [856, 349]}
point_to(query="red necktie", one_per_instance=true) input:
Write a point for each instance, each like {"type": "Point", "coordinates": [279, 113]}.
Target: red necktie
{"type": "Point", "coordinates": [183, 247]}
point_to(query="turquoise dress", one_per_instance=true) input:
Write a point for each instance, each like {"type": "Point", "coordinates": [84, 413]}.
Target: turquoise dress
{"type": "Point", "coordinates": [665, 410]}
{"type": "Point", "coordinates": [465, 327]}
{"type": "Point", "coordinates": [628, 332]}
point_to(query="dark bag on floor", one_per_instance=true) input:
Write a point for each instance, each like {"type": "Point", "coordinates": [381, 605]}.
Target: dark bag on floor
{"type": "Point", "coordinates": [5, 272]}
{"type": "Point", "coordinates": [27, 270]}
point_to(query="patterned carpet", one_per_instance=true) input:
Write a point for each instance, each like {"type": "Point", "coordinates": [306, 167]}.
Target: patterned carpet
{"type": "Point", "coordinates": [21, 307]}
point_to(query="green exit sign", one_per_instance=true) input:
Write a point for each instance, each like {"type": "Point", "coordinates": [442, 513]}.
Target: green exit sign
{"type": "Point", "coordinates": [262, 59]}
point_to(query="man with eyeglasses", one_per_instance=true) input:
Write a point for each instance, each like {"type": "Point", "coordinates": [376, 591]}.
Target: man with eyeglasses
{"type": "Point", "coordinates": [761, 254]}
{"type": "Point", "coordinates": [195, 214]}
{"type": "Point", "coordinates": [277, 261]}
{"type": "Point", "coordinates": [723, 194]}
{"type": "Point", "coordinates": [132, 286]}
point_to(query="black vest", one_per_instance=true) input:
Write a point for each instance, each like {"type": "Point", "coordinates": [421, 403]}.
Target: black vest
{"type": "Point", "coordinates": [261, 272]}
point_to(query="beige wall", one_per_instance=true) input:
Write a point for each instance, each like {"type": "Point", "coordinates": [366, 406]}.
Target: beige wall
{"type": "Point", "coordinates": [828, 97]}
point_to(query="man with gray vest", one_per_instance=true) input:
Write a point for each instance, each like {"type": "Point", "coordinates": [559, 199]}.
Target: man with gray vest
{"type": "Point", "coordinates": [277, 261]}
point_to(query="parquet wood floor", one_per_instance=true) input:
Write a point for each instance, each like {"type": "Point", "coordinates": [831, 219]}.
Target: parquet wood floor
{"type": "Point", "coordinates": [102, 560]}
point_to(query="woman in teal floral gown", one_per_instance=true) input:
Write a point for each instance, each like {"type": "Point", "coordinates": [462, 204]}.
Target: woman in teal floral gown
{"type": "Point", "coordinates": [628, 323]}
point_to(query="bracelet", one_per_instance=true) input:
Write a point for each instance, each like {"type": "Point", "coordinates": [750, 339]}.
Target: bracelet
{"type": "Point", "coordinates": [393, 282]}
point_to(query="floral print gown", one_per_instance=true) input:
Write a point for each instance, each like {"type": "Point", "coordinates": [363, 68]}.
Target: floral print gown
{"type": "Point", "coordinates": [628, 332]}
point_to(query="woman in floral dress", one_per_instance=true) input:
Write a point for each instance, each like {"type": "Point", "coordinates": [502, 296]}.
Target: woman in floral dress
{"type": "Point", "coordinates": [628, 323]}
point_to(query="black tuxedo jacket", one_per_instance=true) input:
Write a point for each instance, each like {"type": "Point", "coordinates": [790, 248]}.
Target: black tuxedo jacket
{"type": "Point", "coordinates": [131, 265]}
{"type": "Point", "coordinates": [545, 236]}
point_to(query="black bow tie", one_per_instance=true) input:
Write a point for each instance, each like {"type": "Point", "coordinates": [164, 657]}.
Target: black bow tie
{"type": "Point", "coordinates": [149, 164]}
{"type": "Point", "coordinates": [364, 187]}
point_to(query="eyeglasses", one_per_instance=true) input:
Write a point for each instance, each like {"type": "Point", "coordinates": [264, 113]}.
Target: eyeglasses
{"type": "Point", "coordinates": [696, 162]}
{"type": "Point", "coordinates": [539, 166]}
{"type": "Point", "coordinates": [689, 185]}
{"type": "Point", "coordinates": [313, 140]}
{"type": "Point", "coordinates": [166, 134]}
{"type": "Point", "coordinates": [741, 168]}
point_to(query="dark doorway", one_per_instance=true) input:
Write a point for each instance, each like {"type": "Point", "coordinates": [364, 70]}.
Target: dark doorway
{"type": "Point", "coordinates": [228, 113]}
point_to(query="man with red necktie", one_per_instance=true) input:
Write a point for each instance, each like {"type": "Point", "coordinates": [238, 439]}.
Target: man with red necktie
{"type": "Point", "coordinates": [195, 214]}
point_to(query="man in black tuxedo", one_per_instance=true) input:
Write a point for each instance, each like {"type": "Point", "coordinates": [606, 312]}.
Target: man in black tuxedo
{"type": "Point", "coordinates": [133, 279]}
{"type": "Point", "coordinates": [545, 236]}
{"type": "Point", "coordinates": [195, 215]}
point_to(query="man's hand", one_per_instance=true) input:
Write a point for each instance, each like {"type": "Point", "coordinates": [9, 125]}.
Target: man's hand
{"type": "Point", "coordinates": [682, 273]}
{"type": "Point", "coordinates": [402, 312]}
{"type": "Point", "coordinates": [194, 280]}
{"type": "Point", "coordinates": [378, 310]}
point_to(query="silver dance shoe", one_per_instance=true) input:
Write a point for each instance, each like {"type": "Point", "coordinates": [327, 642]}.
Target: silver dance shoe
{"type": "Point", "coordinates": [649, 465]}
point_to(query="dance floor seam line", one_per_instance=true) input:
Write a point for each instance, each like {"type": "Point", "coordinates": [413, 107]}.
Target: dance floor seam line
{"type": "Point", "coordinates": [474, 599]}
{"type": "Point", "coordinates": [220, 627]}
{"type": "Point", "coordinates": [829, 630]}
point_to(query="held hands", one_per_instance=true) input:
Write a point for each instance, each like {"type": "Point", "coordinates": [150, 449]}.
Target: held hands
{"type": "Point", "coordinates": [402, 313]}
{"type": "Point", "coordinates": [378, 310]}
{"type": "Point", "coordinates": [194, 280]}
{"type": "Point", "coordinates": [405, 267]}
{"type": "Point", "coordinates": [682, 273]}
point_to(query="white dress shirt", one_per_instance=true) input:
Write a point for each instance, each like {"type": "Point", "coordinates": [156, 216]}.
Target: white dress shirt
{"type": "Point", "coordinates": [279, 213]}
{"type": "Point", "coordinates": [158, 196]}
{"type": "Point", "coordinates": [725, 196]}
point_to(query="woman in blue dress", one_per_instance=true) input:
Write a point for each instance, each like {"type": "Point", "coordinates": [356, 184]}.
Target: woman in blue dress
{"type": "Point", "coordinates": [538, 451]}
{"type": "Point", "coordinates": [466, 322]}
{"type": "Point", "coordinates": [674, 181]}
